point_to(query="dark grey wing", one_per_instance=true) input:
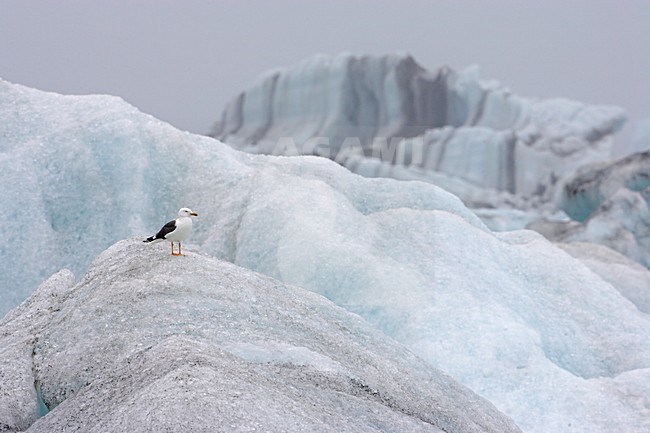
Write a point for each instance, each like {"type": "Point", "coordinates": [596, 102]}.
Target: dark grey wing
{"type": "Point", "coordinates": [167, 229]}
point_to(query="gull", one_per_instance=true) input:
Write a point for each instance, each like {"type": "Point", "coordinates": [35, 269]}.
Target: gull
{"type": "Point", "coordinates": [176, 230]}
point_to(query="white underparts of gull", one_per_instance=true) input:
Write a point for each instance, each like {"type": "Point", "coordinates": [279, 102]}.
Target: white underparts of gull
{"type": "Point", "coordinates": [176, 230]}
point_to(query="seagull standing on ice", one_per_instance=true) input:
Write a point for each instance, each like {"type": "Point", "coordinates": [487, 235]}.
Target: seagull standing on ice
{"type": "Point", "coordinates": [176, 230]}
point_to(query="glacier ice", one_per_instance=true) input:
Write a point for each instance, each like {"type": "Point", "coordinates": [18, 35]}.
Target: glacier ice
{"type": "Point", "coordinates": [626, 275]}
{"type": "Point", "coordinates": [87, 171]}
{"type": "Point", "coordinates": [508, 157]}
{"type": "Point", "coordinates": [585, 190]}
{"type": "Point", "coordinates": [524, 324]}
{"type": "Point", "coordinates": [610, 204]}
{"type": "Point", "coordinates": [387, 116]}
{"type": "Point", "coordinates": [150, 342]}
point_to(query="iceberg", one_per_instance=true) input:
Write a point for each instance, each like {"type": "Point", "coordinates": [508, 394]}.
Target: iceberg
{"type": "Point", "coordinates": [387, 116]}
{"type": "Point", "coordinates": [150, 342]}
{"type": "Point", "coordinates": [524, 324]}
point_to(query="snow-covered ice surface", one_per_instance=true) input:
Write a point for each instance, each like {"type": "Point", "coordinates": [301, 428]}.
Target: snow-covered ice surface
{"type": "Point", "coordinates": [386, 116]}
{"type": "Point", "coordinates": [627, 276]}
{"type": "Point", "coordinates": [518, 320]}
{"type": "Point", "coordinates": [150, 342]}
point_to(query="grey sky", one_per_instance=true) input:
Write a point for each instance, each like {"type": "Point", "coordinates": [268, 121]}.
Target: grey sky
{"type": "Point", "coordinates": [183, 60]}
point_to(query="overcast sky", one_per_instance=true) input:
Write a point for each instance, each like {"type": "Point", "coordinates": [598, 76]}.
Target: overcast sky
{"type": "Point", "coordinates": [183, 60]}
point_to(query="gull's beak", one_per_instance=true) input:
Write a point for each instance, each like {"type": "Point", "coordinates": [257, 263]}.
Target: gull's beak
{"type": "Point", "coordinates": [194, 214]}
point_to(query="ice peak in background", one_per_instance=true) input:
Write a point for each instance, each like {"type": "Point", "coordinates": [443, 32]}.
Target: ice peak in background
{"type": "Point", "coordinates": [506, 156]}
{"type": "Point", "coordinates": [388, 116]}
{"type": "Point", "coordinates": [192, 343]}
{"type": "Point", "coordinates": [551, 343]}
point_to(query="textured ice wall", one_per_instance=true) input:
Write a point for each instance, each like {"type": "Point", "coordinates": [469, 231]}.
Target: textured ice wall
{"type": "Point", "coordinates": [150, 342]}
{"type": "Point", "coordinates": [373, 114]}
{"type": "Point", "coordinates": [611, 204]}
{"type": "Point", "coordinates": [76, 178]}
{"type": "Point", "coordinates": [522, 323]}
{"type": "Point", "coordinates": [584, 192]}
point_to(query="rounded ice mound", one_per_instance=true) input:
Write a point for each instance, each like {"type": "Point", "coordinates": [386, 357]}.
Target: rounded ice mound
{"type": "Point", "coordinates": [150, 342]}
